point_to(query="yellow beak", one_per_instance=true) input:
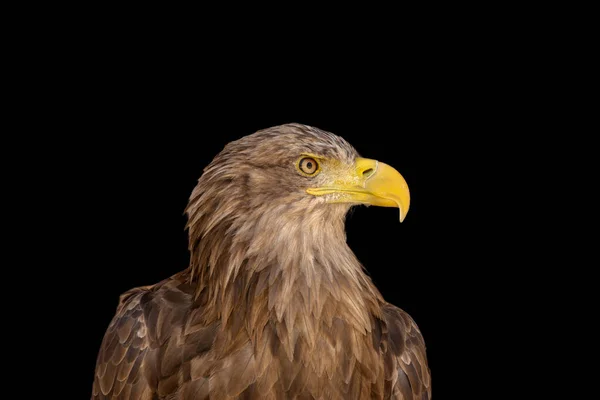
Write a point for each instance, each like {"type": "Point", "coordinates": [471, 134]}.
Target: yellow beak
{"type": "Point", "coordinates": [371, 182]}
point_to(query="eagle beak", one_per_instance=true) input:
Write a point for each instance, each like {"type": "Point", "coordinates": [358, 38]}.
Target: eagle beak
{"type": "Point", "coordinates": [372, 183]}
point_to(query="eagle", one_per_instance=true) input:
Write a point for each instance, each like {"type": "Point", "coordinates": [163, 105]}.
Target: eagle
{"type": "Point", "coordinates": [274, 303]}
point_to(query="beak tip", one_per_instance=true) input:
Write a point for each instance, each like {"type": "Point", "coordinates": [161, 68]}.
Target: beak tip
{"type": "Point", "coordinates": [402, 214]}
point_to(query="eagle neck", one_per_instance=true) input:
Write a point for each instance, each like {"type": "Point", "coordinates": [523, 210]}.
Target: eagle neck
{"type": "Point", "coordinates": [291, 267]}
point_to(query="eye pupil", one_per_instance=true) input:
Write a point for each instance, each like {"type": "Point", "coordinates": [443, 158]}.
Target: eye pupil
{"type": "Point", "coordinates": [309, 165]}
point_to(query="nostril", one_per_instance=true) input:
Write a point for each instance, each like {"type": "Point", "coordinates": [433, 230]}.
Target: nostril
{"type": "Point", "coordinates": [368, 172]}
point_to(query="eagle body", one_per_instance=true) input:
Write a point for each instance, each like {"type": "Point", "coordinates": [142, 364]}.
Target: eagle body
{"type": "Point", "coordinates": [275, 304]}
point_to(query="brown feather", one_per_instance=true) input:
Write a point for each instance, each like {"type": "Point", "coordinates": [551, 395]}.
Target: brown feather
{"type": "Point", "coordinates": [274, 304]}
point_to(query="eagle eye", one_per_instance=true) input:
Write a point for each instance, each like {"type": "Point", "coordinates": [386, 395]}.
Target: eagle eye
{"type": "Point", "coordinates": [308, 166]}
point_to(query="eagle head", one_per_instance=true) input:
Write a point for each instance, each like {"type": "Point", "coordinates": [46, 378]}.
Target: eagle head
{"type": "Point", "coordinates": [295, 166]}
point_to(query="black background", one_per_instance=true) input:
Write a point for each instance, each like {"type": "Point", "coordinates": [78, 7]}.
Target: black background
{"type": "Point", "coordinates": [136, 127]}
{"type": "Point", "coordinates": [114, 114]}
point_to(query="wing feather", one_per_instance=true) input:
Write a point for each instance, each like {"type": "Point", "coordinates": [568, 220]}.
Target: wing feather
{"type": "Point", "coordinates": [120, 356]}
{"type": "Point", "coordinates": [404, 351]}
{"type": "Point", "coordinates": [143, 351]}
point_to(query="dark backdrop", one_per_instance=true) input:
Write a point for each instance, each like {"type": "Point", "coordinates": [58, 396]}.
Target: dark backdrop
{"type": "Point", "coordinates": [117, 126]}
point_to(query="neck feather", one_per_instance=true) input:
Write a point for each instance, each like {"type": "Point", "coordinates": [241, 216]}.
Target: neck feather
{"type": "Point", "coordinates": [290, 265]}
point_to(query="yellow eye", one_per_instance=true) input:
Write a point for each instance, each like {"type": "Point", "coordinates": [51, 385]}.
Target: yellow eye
{"type": "Point", "coordinates": [308, 166]}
